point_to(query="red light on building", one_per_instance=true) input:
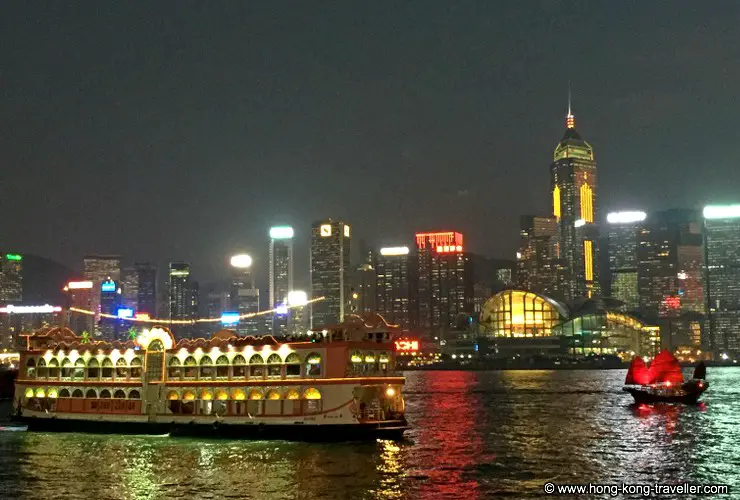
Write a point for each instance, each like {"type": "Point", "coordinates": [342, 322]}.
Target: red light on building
{"type": "Point", "coordinates": [672, 302]}
{"type": "Point", "coordinates": [443, 242]}
{"type": "Point", "coordinates": [407, 345]}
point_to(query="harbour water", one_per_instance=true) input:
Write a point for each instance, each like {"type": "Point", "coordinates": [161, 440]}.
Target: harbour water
{"type": "Point", "coordinates": [475, 435]}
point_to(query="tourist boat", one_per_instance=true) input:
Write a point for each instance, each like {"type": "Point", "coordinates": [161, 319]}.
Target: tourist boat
{"type": "Point", "coordinates": [335, 383]}
{"type": "Point", "coordinates": [663, 381]}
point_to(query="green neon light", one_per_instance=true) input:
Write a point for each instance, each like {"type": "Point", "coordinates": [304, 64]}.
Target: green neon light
{"type": "Point", "coordinates": [13, 256]}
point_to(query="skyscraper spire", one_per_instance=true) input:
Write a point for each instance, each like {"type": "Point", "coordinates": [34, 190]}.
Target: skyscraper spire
{"type": "Point", "coordinates": [570, 120]}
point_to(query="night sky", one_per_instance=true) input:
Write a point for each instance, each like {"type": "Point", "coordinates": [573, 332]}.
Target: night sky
{"type": "Point", "coordinates": [183, 130]}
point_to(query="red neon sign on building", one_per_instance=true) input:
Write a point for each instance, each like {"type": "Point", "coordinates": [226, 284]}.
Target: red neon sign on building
{"type": "Point", "coordinates": [443, 242]}
{"type": "Point", "coordinates": [407, 345]}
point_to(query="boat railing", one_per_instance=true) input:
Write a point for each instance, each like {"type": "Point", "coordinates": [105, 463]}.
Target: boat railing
{"type": "Point", "coordinates": [372, 414]}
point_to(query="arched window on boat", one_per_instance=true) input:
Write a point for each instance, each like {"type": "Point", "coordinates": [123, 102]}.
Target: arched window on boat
{"type": "Point", "coordinates": [292, 394]}
{"type": "Point", "coordinates": [64, 393]}
{"type": "Point", "coordinates": [93, 369]}
{"type": "Point", "coordinates": [370, 362]}
{"type": "Point", "coordinates": [187, 406]}
{"type": "Point", "coordinates": [119, 394]}
{"type": "Point", "coordinates": [40, 393]}
{"type": "Point", "coordinates": [79, 371]}
{"type": "Point", "coordinates": [136, 368]}
{"type": "Point", "coordinates": [41, 370]}
{"type": "Point", "coordinates": [174, 371]}
{"type": "Point", "coordinates": [205, 407]}
{"type": "Point", "coordinates": [273, 404]}
{"type": "Point", "coordinates": [107, 370]}
{"type": "Point", "coordinates": [254, 405]}
{"type": "Point", "coordinates": [274, 366]}
{"type": "Point", "coordinates": [222, 368]}
{"type": "Point", "coordinates": [256, 366]}
{"type": "Point", "coordinates": [384, 359]}
{"type": "Point", "coordinates": [31, 368]}
{"type": "Point", "coordinates": [173, 402]}
{"type": "Point", "coordinates": [311, 400]}
{"type": "Point", "coordinates": [293, 365]}
{"type": "Point", "coordinates": [191, 368]}
{"type": "Point", "coordinates": [53, 369]}
{"type": "Point", "coordinates": [52, 393]}
{"type": "Point", "coordinates": [67, 368]}
{"type": "Point", "coordinates": [77, 393]}
{"type": "Point", "coordinates": [357, 362]}
{"type": "Point", "coordinates": [28, 393]}
{"type": "Point", "coordinates": [206, 368]}
{"type": "Point", "coordinates": [121, 369]}
{"type": "Point", "coordinates": [91, 394]}
{"type": "Point", "coordinates": [239, 403]}
{"type": "Point", "coordinates": [222, 395]}
{"type": "Point", "coordinates": [313, 365]}
{"type": "Point", "coordinates": [239, 367]}
{"type": "Point", "coordinates": [291, 402]}
{"type": "Point", "coordinates": [105, 393]}
{"type": "Point", "coordinates": [134, 394]}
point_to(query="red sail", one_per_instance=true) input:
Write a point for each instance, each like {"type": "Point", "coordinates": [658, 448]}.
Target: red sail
{"type": "Point", "coordinates": [665, 368]}
{"type": "Point", "coordinates": [638, 373]}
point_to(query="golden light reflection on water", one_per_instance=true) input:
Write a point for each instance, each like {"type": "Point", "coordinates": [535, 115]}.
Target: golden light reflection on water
{"type": "Point", "coordinates": [389, 467]}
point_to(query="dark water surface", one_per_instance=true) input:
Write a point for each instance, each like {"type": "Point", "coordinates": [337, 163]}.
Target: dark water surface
{"type": "Point", "coordinates": [475, 435]}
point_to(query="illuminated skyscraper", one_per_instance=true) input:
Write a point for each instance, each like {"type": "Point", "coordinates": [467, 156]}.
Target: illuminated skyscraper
{"type": "Point", "coordinates": [396, 286]}
{"type": "Point", "coordinates": [445, 277]}
{"type": "Point", "coordinates": [573, 184]}
{"type": "Point", "coordinates": [330, 267]}
{"type": "Point", "coordinates": [281, 276]}
{"type": "Point", "coordinates": [110, 301]}
{"type": "Point", "coordinates": [623, 234]}
{"type": "Point", "coordinates": [363, 289]}
{"type": "Point", "coordinates": [11, 278]}
{"type": "Point", "coordinates": [244, 297]}
{"type": "Point", "coordinates": [183, 297]}
{"type": "Point", "coordinates": [130, 288]}
{"type": "Point", "coordinates": [79, 295]}
{"type": "Point", "coordinates": [146, 297]}
{"type": "Point", "coordinates": [722, 233]}
{"type": "Point", "coordinates": [99, 268]}
{"type": "Point", "coordinates": [281, 264]}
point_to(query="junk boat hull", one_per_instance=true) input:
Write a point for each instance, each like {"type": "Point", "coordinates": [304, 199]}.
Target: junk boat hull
{"type": "Point", "coordinates": [686, 395]}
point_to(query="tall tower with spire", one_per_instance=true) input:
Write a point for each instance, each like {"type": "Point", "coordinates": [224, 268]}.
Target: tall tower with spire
{"type": "Point", "coordinates": [573, 184]}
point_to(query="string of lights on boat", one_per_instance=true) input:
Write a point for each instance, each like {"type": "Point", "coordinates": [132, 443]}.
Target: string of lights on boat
{"type": "Point", "coordinates": [146, 319]}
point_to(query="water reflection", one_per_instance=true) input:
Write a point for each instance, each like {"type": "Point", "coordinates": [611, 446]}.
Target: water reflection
{"type": "Point", "coordinates": [475, 435]}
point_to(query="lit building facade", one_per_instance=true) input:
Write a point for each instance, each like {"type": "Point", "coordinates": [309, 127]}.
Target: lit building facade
{"type": "Point", "coordinates": [573, 185]}
{"type": "Point", "coordinates": [80, 296]}
{"type": "Point", "coordinates": [330, 267]}
{"type": "Point", "coordinates": [396, 286]}
{"type": "Point", "coordinates": [623, 234]}
{"type": "Point", "coordinates": [445, 281]}
{"type": "Point", "coordinates": [538, 268]}
{"type": "Point", "coordinates": [146, 297]}
{"type": "Point", "coordinates": [11, 278]}
{"type": "Point", "coordinates": [669, 274]}
{"type": "Point", "coordinates": [364, 300]}
{"type": "Point", "coordinates": [523, 322]}
{"type": "Point", "coordinates": [722, 234]}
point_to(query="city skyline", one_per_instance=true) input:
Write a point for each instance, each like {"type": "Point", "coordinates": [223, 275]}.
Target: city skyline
{"type": "Point", "coordinates": [164, 139]}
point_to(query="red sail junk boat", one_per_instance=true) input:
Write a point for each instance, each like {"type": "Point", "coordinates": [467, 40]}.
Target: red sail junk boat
{"type": "Point", "coordinates": [663, 381]}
